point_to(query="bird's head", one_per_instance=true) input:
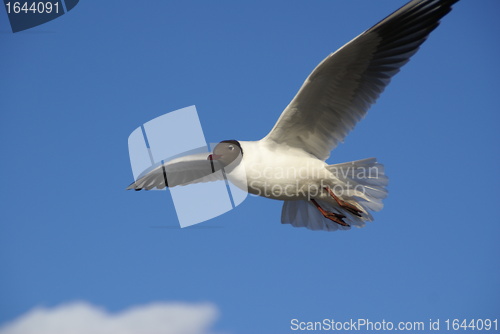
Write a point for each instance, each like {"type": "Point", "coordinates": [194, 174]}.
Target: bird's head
{"type": "Point", "coordinates": [227, 151]}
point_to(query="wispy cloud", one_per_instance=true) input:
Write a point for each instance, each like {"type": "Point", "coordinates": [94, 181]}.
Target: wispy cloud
{"type": "Point", "coordinates": [85, 318]}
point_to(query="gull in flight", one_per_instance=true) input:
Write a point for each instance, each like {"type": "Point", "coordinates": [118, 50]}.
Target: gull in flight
{"type": "Point", "coordinates": [289, 163]}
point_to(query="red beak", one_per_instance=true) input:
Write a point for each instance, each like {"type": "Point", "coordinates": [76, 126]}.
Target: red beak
{"type": "Point", "coordinates": [214, 157]}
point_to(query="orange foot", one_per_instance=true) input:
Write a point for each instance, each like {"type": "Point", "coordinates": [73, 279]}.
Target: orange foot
{"type": "Point", "coordinates": [335, 217]}
{"type": "Point", "coordinates": [349, 207]}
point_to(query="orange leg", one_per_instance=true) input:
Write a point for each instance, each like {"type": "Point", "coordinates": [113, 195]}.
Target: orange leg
{"type": "Point", "coordinates": [349, 207]}
{"type": "Point", "coordinates": [335, 217]}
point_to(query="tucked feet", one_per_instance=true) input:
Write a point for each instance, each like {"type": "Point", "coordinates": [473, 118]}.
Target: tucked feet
{"type": "Point", "coordinates": [335, 217]}
{"type": "Point", "coordinates": [347, 206]}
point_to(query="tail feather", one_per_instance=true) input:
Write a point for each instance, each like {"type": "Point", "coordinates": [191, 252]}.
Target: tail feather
{"type": "Point", "coordinates": [302, 213]}
{"type": "Point", "coordinates": [364, 183]}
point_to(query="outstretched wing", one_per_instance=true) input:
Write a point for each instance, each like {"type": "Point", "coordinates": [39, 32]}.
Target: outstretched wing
{"type": "Point", "coordinates": [340, 90]}
{"type": "Point", "coordinates": [190, 169]}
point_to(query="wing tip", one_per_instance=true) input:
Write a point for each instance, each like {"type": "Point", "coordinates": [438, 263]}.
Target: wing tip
{"type": "Point", "coordinates": [133, 186]}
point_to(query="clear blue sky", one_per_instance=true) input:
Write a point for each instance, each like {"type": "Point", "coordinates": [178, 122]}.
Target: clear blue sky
{"type": "Point", "coordinates": [73, 90]}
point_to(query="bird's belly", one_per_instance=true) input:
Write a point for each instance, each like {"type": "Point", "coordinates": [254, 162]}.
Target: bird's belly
{"type": "Point", "coordinates": [285, 189]}
{"type": "Point", "coordinates": [282, 183]}
{"type": "Point", "coordinates": [282, 175]}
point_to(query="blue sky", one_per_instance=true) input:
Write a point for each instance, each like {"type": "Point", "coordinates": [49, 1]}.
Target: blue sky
{"type": "Point", "coordinates": [74, 89]}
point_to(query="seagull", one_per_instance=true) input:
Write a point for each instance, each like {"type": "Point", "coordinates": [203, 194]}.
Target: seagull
{"type": "Point", "coordinates": [289, 163]}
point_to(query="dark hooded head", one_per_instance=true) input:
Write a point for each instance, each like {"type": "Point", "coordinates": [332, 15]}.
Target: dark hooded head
{"type": "Point", "coordinates": [226, 152]}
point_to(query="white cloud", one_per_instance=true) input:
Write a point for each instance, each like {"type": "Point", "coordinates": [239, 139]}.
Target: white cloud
{"type": "Point", "coordinates": [85, 318]}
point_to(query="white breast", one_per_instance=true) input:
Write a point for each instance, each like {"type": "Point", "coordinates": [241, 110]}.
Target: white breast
{"type": "Point", "coordinates": [278, 172]}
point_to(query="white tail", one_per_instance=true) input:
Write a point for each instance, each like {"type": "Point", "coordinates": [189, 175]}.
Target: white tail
{"type": "Point", "coordinates": [367, 183]}
{"type": "Point", "coordinates": [368, 178]}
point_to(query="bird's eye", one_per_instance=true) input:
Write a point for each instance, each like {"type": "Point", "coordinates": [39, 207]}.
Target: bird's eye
{"type": "Point", "coordinates": [230, 147]}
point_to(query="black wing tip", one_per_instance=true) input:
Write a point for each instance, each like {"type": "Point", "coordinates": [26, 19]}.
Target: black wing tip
{"type": "Point", "coordinates": [132, 186]}
{"type": "Point", "coordinates": [136, 187]}
{"type": "Point", "coordinates": [406, 29]}
{"type": "Point", "coordinates": [433, 9]}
